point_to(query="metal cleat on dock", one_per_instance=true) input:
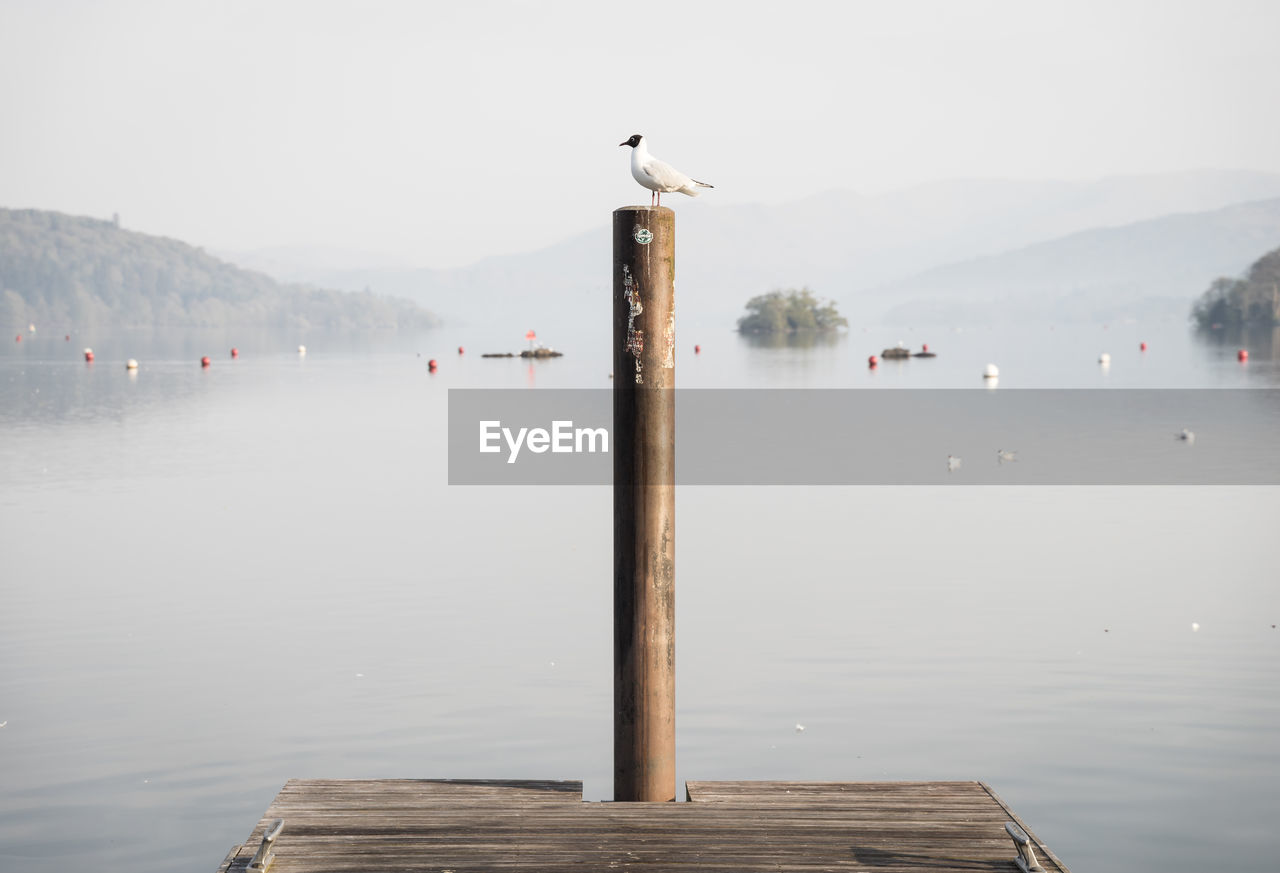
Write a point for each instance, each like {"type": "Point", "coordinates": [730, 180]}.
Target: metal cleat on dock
{"type": "Point", "coordinates": [263, 857]}
{"type": "Point", "coordinates": [1026, 859]}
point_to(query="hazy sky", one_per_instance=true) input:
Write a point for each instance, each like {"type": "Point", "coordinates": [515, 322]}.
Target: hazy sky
{"type": "Point", "coordinates": [438, 133]}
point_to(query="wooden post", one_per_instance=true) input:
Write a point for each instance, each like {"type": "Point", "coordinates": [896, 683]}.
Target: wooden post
{"type": "Point", "coordinates": [644, 642]}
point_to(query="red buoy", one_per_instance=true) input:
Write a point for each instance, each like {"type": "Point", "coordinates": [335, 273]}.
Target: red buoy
{"type": "Point", "coordinates": [18, 338]}
{"type": "Point", "coordinates": [431, 365]}
{"type": "Point", "coordinates": [461, 350]}
{"type": "Point", "coordinates": [88, 355]}
{"type": "Point", "coordinates": [873, 362]}
{"type": "Point", "coordinates": [67, 337]}
{"type": "Point", "coordinates": [925, 347]}
{"type": "Point", "coordinates": [697, 350]}
{"type": "Point", "coordinates": [204, 362]}
{"type": "Point", "coordinates": [1242, 355]}
{"type": "Point", "coordinates": [1143, 347]}
{"type": "Point", "coordinates": [235, 353]}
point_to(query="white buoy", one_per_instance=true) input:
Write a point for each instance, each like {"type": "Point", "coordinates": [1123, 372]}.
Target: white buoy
{"type": "Point", "coordinates": [131, 364]}
{"type": "Point", "coordinates": [991, 372]}
{"type": "Point", "coordinates": [1195, 625]}
{"type": "Point", "coordinates": [302, 350]}
{"type": "Point", "coordinates": [1104, 359]}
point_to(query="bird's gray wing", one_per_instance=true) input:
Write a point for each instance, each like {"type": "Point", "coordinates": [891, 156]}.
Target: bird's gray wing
{"type": "Point", "coordinates": [666, 175]}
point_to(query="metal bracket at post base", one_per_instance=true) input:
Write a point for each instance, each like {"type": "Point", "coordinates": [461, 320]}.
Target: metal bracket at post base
{"type": "Point", "coordinates": [263, 857]}
{"type": "Point", "coordinates": [1026, 859]}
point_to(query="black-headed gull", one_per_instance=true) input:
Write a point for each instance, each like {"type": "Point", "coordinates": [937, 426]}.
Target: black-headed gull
{"type": "Point", "coordinates": [658, 177]}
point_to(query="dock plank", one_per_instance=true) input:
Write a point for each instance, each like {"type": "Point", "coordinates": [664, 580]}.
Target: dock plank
{"type": "Point", "coordinates": [470, 826]}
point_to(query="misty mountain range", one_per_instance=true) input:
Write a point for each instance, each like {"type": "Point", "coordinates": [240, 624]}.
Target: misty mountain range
{"type": "Point", "coordinates": [963, 251]}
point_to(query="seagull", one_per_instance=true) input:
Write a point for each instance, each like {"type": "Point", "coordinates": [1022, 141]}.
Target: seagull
{"type": "Point", "coordinates": [1003, 455]}
{"type": "Point", "coordinates": [1186, 435]}
{"type": "Point", "coordinates": [658, 177]}
{"type": "Point", "coordinates": [953, 463]}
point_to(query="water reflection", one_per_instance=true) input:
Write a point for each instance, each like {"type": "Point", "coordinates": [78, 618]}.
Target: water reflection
{"type": "Point", "coordinates": [806, 339]}
{"type": "Point", "coordinates": [1223, 345]}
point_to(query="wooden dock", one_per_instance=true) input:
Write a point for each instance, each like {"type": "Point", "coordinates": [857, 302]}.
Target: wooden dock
{"type": "Point", "coordinates": [474, 826]}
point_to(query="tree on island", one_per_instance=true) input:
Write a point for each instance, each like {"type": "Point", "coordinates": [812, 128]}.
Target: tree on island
{"type": "Point", "coordinates": [1253, 300]}
{"type": "Point", "coordinates": [790, 311]}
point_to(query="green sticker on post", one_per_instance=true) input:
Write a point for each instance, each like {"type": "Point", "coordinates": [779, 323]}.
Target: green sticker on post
{"type": "Point", "coordinates": [643, 236]}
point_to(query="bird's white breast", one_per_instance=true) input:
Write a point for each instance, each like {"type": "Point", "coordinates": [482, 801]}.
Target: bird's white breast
{"type": "Point", "coordinates": [654, 174]}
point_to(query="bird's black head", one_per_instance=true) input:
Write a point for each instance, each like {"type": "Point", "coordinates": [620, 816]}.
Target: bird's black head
{"type": "Point", "coordinates": [634, 141]}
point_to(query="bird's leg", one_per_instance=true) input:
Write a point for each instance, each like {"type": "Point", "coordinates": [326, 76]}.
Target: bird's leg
{"type": "Point", "coordinates": [651, 196]}
{"type": "Point", "coordinates": [659, 193]}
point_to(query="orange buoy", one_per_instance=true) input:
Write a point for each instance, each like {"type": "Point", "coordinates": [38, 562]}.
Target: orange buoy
{"type": "Point", "coordinates": [1242, 355]}
{"type": "Point", "coordinates": [1142, 346]}
{"type": "Point", "coordinates": [697, 350]}
{"type": "Point", "coordinates": [431, 365]}
{"type": "Point", "coordinates": [204, 362]}
{"type": "Point", "coordinates": [461, 350]}
{"type": "Point", "coordinates": [873, 362]}
{"type": "Point", "coordinates": [924, 348]}
{"type": "Point", "coordinates": [235, 353]}
{"type": "Point", "coordinates": [88, 355]}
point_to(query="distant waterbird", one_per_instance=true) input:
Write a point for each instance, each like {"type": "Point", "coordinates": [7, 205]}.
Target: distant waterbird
{"type": "Point", "coordinates": [1003, 455]}
{"type": "Point", "coordinates": [658, 176]}
{"type": "Point", "coordinates": [1185, 435]}
{"type": "Point", "coordinates": [953, 463]}
{"type": "Point", "coordinates": [991, 372]}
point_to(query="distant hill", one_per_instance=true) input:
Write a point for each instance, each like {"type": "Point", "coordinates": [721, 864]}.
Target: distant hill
{"type": "Point", "coordinates": [840, 244]}
{"type": "Point", "coordinates": [1146, 269]}
{"type": "Point", "coordinates": [64, 269]}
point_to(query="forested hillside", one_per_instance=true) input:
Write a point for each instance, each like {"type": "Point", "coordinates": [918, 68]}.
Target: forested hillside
{"type": "Point", "coordinates": [67, 270]}
{"type": "Point", "coordinates": [1251, 300]}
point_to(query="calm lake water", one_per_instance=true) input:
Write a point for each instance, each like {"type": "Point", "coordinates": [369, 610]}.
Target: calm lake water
{"type": "Point", "coordinates": [214, 580]}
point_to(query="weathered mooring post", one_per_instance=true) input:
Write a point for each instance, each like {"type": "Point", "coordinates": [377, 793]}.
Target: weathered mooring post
{"type": "Point", "coordinates": [644, 642]}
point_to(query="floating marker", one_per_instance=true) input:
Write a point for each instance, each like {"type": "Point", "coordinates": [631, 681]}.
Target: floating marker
{"type": "Point", "coordinates": [924, 347]}
{"type": "Point", "coordinates": [18, 338]}
{"type": "Point", "coordinates": [88, 355]}
{"type": "Point", "coordinates": [204, 362]}
{"type": "Point", "coordinates": [697, 350]}
{"type": "Point", "coordinates": [235, 353]}
{"type": "Point", "coordinates": [991, 372]}
{"type": "Point", "coordinates": [67, 337]}
{"type": "Point", "coordinates": [431, 365]}
{"type": "Point", "coordinates": [1143, 347]}
{"type": "Point", "coordinates": [873, 362]}
{"type": "Point", "coordinates": [461, 350]}
{"type": "Point", "coordinates": [131, 364]}
{"type": "Point", "coordinates": [1242, 355]}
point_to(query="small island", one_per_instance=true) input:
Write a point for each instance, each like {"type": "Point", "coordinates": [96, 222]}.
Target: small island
{"type": "Point", "coordinates": [790, 312]}
{"type": "Point", "coordinates": [1253, 301]}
